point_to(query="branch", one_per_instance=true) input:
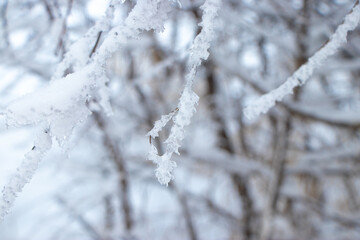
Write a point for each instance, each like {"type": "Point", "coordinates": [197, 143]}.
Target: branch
{"type": "Point", "coordinates": [119, 162]}
{"type": "Point", "coordinates": [80, 219]}
{"type": "Point", "coordinates": [299, 78]}
{"type": "Point", "coordinates": [188, 99]}
{"type": "Point", "coordinates": [330, 116]}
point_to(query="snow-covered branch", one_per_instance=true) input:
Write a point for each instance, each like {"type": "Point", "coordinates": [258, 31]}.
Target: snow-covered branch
{"type": "Point", "coordinates": [62, 105]}
{"type": "Point", "coordinates": [24, 172]}
{"type": "Point", "coordinates": [188, 100]}
{"type": "Point", "coordinates": [338, 39]}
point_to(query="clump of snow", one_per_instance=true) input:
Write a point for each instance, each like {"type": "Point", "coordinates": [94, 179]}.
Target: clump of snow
{"type": "Point", "coordinates": [165, 165]}
{"type": "Point", "coordinates": [146, 15]}
{"type": "Point", "coordinates": [265, 102]}
{"type": "Point", "coordinates": [54, 105]}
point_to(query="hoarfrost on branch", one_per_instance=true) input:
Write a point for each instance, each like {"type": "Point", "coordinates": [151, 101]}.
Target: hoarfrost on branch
{"type": "Point", "coordinates": [188, 99]}
{"type": "Point", "coordinates": [66, 97]}
{"type": "Point", "coordinates": [338, 39]}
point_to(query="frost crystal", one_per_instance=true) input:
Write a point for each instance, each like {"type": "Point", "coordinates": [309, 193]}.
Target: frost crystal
{"type": "Point", "coordinates": [188, 100]}
{"type": "Point", "coordinates": [265, 102]}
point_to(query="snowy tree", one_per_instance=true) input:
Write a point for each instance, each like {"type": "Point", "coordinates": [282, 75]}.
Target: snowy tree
{"type": "Point", "coordinates": [187, 119]}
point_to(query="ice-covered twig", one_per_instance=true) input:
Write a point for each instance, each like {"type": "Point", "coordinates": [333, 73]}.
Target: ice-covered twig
{"type": "Point", "coordinates": [188, 100]}
{"type": "Point", "coordinates": [265, 102]}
